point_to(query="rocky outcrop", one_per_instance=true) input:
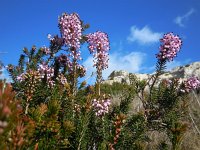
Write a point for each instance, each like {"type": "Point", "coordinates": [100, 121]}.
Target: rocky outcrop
{"type": "Point", "coordinates": [118, 76]}
{"type": "Point", "coordinates": [182, 72]}
{"type": "Point", "coordinates": [186, 71]}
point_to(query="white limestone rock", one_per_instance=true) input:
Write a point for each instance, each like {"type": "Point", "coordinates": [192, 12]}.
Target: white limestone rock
{"type": "Point", "coordinates": [181, 72]}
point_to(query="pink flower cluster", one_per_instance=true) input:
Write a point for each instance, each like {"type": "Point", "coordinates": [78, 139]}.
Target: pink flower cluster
{"type": "Point", "coordinates": [28, 75]}
{"type": "Point", "coordinates": [75, 54]}
{"type": "Point", "coordinates": [21, 77]}
{"type": "Point", "coordinates": [45, 50]}
{"type": "Point", "coordinates": [191, 84]}
{"type": "Point", "coordinates": [45, 70]}
{"type": "Point", "coordinates": [101, 106]}
{"type": "Point", "coordinates": [171, 45]}
{"type": "Point", "coordinates": [99, 46]}
{"type": "Point", "coordinates": [48, 72]}
{"type": "Point", "coordinates": [71, 29]}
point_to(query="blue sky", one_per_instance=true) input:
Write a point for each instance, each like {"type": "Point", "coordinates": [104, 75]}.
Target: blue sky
{"type": "Point", "coordinates": [134, 28]}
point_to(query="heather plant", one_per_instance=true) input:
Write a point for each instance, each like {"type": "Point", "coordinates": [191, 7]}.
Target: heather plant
{"type": "Point", "coordinates": [46, 82]}
{"type": "Point", "coordinates": [165, 101]}
{"type": "Point", "coordinates": [59, 112]}
{"type": "Point", "coordinates": [13, 124]}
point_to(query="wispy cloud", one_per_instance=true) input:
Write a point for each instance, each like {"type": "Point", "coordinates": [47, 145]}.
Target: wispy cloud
{"type": "Point", "coordinates": [144, 35]}
{"type": "Point", "coordinates": [5, 75]}
{"type": "Point", "coordinates": [131, 62]}
{"type": "Point", "coordinates": [180, 20]}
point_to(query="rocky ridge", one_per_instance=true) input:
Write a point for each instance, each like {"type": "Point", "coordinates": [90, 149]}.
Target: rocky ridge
{"type": "Point", "coordinates": [181, 72]}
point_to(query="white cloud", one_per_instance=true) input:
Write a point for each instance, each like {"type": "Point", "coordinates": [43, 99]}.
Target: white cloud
{"type": "Point", "coordinates": [131, 62]}
{"type": "Point", "coordinates": [5, 75]}
{"type": "Point", "coordinates": [179, 20]}
{"type": "Point", "coordinates": [144, 35]}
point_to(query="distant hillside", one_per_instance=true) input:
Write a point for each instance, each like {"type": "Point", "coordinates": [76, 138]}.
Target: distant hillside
{"type": "Point", "coordinates": [182, 72]}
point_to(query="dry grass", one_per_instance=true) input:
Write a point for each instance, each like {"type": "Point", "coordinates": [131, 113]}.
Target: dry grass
{"type": "Point", "coordinates": [191, 140]}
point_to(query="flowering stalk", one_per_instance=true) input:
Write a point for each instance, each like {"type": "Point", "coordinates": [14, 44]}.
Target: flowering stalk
{"type": "Point", "coordinates": [74, 83]}
{"type": "Point", "coordinates": [71, 31]}
{"type": "Point", "coordinates": [160, 66]}
{"type": "Point", "coordinates": [171, 45]}
{"type": "Point", "coordinates": [190, 84]}
{"type": "Point", "coordinates": [99, 46]}
{"type": "Point", "coordinates": [101, 107]}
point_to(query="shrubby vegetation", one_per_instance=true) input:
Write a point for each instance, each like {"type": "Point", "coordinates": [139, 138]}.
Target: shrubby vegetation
{"type": "Point", "coordinates": [47, 108]}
